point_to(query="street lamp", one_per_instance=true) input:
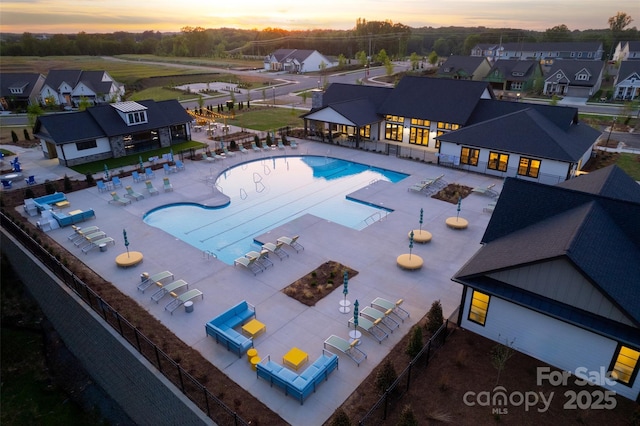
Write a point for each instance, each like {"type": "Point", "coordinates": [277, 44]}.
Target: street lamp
{"type": "Point", "coordinates": [318, 84]}
{"type": "Point", "coordinates": [611, 130]}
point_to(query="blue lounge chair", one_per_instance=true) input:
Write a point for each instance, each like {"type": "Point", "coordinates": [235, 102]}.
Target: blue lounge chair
{"type": "Point", "coordinates": [179, 165]}
{"type": "Point", "coordinates": [31, 180]}
{"type": "Point", "coordinates": [242, 149]}
{"type": "Point", "coordinates": [102, 187]}
{"type": "Point", "coordinates": [168, 169]}
{"type": "Point", "coordinates": [149, 173]}
{"type": "Point", "coordinates": [136, 176]}
{"type": "Point", "coordinates": [133, 194]}
{"type": "Point", "coordinates": [115, 181]}
{"type": "Point", "coordinates": [7, 184]}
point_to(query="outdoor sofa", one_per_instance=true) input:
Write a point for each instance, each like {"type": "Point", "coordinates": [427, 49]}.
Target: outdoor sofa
{"type": "Point", "coordinates": [44, 203]}
{"type": "Point", "coordinates": [299, 386]}
{"type": "Point", "coordinates": [65, 219]}
{"type": "Point", "coordinates": [222, 327]}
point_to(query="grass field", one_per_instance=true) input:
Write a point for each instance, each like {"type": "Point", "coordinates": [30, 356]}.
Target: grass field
{"type": "Point", "coordinates": [268, 119]}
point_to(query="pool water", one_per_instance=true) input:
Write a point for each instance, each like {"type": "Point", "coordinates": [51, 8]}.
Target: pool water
{"type": "Point", "coordinates": [268, 193]}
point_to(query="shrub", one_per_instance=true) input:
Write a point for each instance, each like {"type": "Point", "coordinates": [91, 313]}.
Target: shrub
{"type": "Point", "coordinates": [268, 139]}
{"type": "Point", "coordinates": [67, 184]}
{"type": "Point", "coordinates": [340, 418]}
{"type": "Point", "coordinates": [28, 193]}
{"type": "Point", "coordinates": [407, 418]}
{"type": "Point", "coordinates": [26, 135]}
{"type": "Point", "coordinates": [415, 341]}
{"type": "Point", "coordinates": [50, 187]}
{"type": "Point", "coordinates": [89, 178]}
{"type": "Point", "coordinates": [434, 317]}
{"type": "Point", "coordinates": [14, 137]}
{"type": "Point", "coordinates": [385, 376]}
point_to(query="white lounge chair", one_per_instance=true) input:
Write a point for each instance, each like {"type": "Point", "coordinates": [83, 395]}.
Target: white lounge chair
{"type": "Point", "coordinates": [153, 279]}
{"type": "Point", "coordinates": [374, 314]}
{"type": "Point", "coordinates": [292, 242]}
{"type": "Point", "coordinates": [182, 299]}
{"type": "Point", "coordinates": [261, 258]}
{"type": "Point", "coordinates": [349, 349]}
{"type": "Point", "coordinates": [249, 263]}
{"type": "Point", "coordinates": [97, 243]}
{"type": "Point", "coordinates": [89, 238]}
{"type": "Point", "coordinates": [276, 249]}
{"type": "Point", "coordinates": [133, 194]}
{"type": "Point", "coordinates": [152, 190]}
{"type": "Point", "coordinates": [167, 185]}
{"type": "Point", "coordinates": [170, 288]}
{"type": "Point", "coordinates": [371, 327]}
{"type": "Point", "coordinates": [385, 305]}
{"type": "Point", "coordinates": [115, 198]}
{"type": "Point", "coordinates": [486, 190]}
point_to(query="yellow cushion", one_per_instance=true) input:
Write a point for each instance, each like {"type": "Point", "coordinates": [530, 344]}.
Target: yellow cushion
{"type": "Point", "coordinates": [376, 322]}
{"type": "Point", "coordinates": [159, 284]}
{"type": "Point", "coordinates": [355, 342]}
{"type": "Point", "coordinates": [399, 302]}
{"type": "Point", "coordinates": [173, 293]}
{"type": "Point", "coordinates": [388, 312]}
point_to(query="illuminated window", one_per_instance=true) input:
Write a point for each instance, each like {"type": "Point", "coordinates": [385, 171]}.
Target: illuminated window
{"type": "Point", "coordinates": [365, 131]}
{"type": "Point", "coordinates": [529, 167]}
{"type": "Point", "coordinates": [419, 136]}
{"type": "Point", "coordinates": [498, 161]}
{"type": "Point", "coordinates": [479, 307]}
{"type": "Point", "coordinates": [419, 122]}
{"type": "Point", "coordinates": [469, 156]}
{"type": "Point", "coordinates": [394, 118]}
{"type": "Point", "coordinates": [625, 365]}
{"type": "Point", "coordinates": [393, 132]}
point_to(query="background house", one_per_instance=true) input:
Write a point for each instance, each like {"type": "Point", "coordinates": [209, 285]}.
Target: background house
{"type": "Point", "coordinates": [580, 79]}
{"type": "Point", "coordinates": [69, 87]}
{"type": "Point", "coordinates": [557, 275]}
{"type": "Point", "coordinates": [546, 53]}
{"type": "Point", "coordinates": [627, 81]}
{"type": "Point", "coordinates": [510, 77]}
{"type": "Point", "coordinates": [112, 130]}
{"type": "Point", "coordinates": [296, 61]}
{"type": "Point", "coordinates": [464, 68]}
{"type": "Point", "coordinates": [19, 90]}
{"type": "Point", "coordinates": [627, 50]}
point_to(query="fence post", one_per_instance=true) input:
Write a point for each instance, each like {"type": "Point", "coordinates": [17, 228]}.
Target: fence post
{"type": "Point", "coordinates": [428, 352]}
{"type": "Point", "coordinates": [180, 376]}
{"type": "Point", "coordinates": [445, 331]}
{"type": "Point", "coordinates": [409, 374]}
{"type": "Point", "coordinates": [135, 332]}
{"type": "Point", "coordinates": [119, 324]}
{"type": "Point", "coordinates": [206, 400]}
{"type": "Point", "coordinates": [157, 358]}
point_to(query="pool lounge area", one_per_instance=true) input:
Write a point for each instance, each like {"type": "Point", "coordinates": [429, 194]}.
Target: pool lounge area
{"type": "Point", "coordinates": [372, 251]}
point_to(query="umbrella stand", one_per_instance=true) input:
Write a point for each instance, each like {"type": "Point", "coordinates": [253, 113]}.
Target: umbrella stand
{"type": "Point", "coordinates": [344, 304]}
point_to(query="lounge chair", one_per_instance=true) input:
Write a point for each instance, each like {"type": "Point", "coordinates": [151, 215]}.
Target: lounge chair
{"type": "Point", "coordinates": [115, 198]}
{"type": "Point", "coordinates": [371, 327]}
{"type": "Point", "coordinates": [227, 152]}
{"type": "Point", "coordinates": [293, 144]}
{"type": "Point", "coordinates": [249, 263]}
{"type": "Point", "coordinates": [215, 156]}
{"type": "Point", "coordinates": [168, 169]}
{"type": "Point", "coordinates": [486, 190]}
{"type": "Point", "coordinates": [276, 249]}
{"type": "Point", "coordinates": [179, 165]}
{"type": "Point", "coordinates": [490, 207]}
{"type": "Point", "coordinates": [385, 305]}
{"type": "Point", "coordinates": [97, 243]}
{"type": "Point", "coordinates": [374, 314]}
{"type": "Point", "coordinates": [102, 187]}
{"type": "Point", "coordinates": [31, 180]}
{"type": "Point", "coordinates": [89, 238]}
{"type": "Point", "coordinates": [152, 190]}
{"type": "Point", "coordinates": [292, 242]}
{"type": "Point", "coordinates": [115, 181]}
{"type": "Point", "coordinates": [149, 173]}
{"type": "Point", "coordinates": [7, 184]}
{"type": "Point", "coordinates": [182, 299]}
{"type": "Point", "coordinates": [206, 157]}
{"type": "Point", "coordinates": [280, 145]}
{"type": "Point", "coordinates": [81, 232]}
{"type": "Point", "coordinates": [242, 149]}
{"type": "Point", "coordinates": [255, 147]}
{"type": "Point", "coordinates": [418, 187]}
{"type": "Point", "coordinates": [349, 349]}
{"type": "Point", "coordinates": [136, 176]}
{"type": "Point", "coordinates": [170, 288]}
{"type": "Point", "coordinates": [167, 185]}
{"type": "Point", "coordinates": [133, 194]}
{"type": "Point", "coordinates": [262, 258]}
{"type": "Point", "coordinates": [154, 279]}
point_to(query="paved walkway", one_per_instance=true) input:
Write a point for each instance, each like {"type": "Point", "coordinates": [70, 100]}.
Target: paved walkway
{"type": "Point", "coordinates": [372, 251]}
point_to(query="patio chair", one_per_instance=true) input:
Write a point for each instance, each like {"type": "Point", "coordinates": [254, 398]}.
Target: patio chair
{"type": "Point", "coordinates": [167, 185]}
{"type": "Point", "coordinates": [169, 169]}
{"type": "Point", "coordinates": [7, 184]}
{"type": "Point", "coordinates": [97, 243]}
{"type": "Point", "coordinates": [206, 157]}
{"type": "Point", "coordinates": [89, 239]}
{"type": "Point", "coordinates": [182, 299]}
{"type": "Point", "coordinates": [292, 242]}
{"type": "Point", "coordinates": [136, 176]}
{"type": "Point", "coordinates": [170, 288]}
{"type": "Point", "coordinates": [249, 263]}
{"type": "Point", "coordinates": [486, 190]}
{"type": "Point", "coordinates": [115, 181]}
{"type": "Point", "coordinates": [242, 149]}
{"type": "Point", "coordinates": [293, 144]}
{"type": "Point", "coordinates": [81, 232]}
{"type": "Point", "coordinates": [349, 349]}
{"type": "Point", "coordinates": [276, 249]}
{"type": "Point", "coordinates": [374, 314]}
{"type": "Point", "coordinates": [147, 281]}
{"type": "Point", "coordinates": [255, 147]}
{"type": "Point", "coordinates": [371, 327]}
{"type": "Point", "coordinates": [152, 190]}
{"type": "Point", "coordinates": [102, 187]}
{"type": "Point", "coordinates": [280, 145]}
{"type": "Point", "coordinates": [31, 180]}
{"type": "Point", "coordinates": [179, 165]}
{"type": "Point", "coordinates": [133, 194]}
{"type": "Point", "coordinates": [227, 152]}
{"type": "Point", "coordinates": [115, 198]}
{"type": "Point", "coordinates": [385, 305]}
{"type": "Point", "coordinates": [215, 156]}
{"type": "Point", "coordinates": [149, 173]}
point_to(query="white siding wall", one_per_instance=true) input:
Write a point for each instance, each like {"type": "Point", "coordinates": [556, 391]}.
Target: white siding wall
{"type": "Point", "coordinates": [554, 342]}
{"type": "Point", "coordinates": [70, 151]}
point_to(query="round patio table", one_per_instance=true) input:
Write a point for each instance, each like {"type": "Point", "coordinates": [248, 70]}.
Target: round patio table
{"type": "Point", "coordinates": [410, 261]}
{"type": "Point", "coordinates": [126, 260]}
{"type": "Point", "coordinates": [420, 236]}
{"type": "Point", "coordinates": [457, 222]}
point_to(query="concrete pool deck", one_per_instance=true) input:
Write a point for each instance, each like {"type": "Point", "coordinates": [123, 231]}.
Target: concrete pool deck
{"type": "Point", "coordinates": [372, 252]}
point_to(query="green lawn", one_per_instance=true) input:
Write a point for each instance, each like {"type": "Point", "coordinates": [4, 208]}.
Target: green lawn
{"type": "Point", "coordinates": [162, 94]}
{"type": "Point", "coordinates": [630, 163]}
{"type": "Point", "coordinates": [268, 118]}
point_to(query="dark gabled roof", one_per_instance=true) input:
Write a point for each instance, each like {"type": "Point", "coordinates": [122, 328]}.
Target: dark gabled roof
{"type": "Point", "coordinates": [283, 55]}
{"type": "Point", "coordinates": [435, 99]}
{"type": "Point", "coordinates": [340, 92]}
{"type": "Point", "coordinates": [634, 46]}
{"type": "Point", "coordinates": [568, 46]}
{"type": "Point", "coordinates": [561, 116]}
{"type": "Point", "coordinates": [628, 69]}
{"type": "Point", "coordinates": [56, 77]}
{"type": "Point", "coordinates": [508, 68]}
{"type": "Point", "coordinates": [598, 234]}
{"type": "Point", "coordinates": [18, 79]}
{"type": "Point", "coordinates": [457, 64]}
{"type": "Point", "coordinates": [360, 111]}
{"type": "Point", "coordinates": [610, 182]}
{"type": "Point", "coordinates": [571, 67]}
{"type": "Point", "coordinates": [104, 121]}
{"type": "Point", "coordinates": [93, 80]}
{"type": "Point", "coordinates": [527, 132]}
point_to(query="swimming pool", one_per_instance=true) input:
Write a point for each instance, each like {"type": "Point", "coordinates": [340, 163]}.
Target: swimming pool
{"type": "Point", "coordinates": [267, 193]}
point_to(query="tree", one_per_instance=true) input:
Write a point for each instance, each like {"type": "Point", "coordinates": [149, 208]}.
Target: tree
{"type": "Point", "coordinates": [619, 22]}
{"type": "Point", "coordinates": [340, 418]}
{"type": "Point", "coordinates": [385, 376]}
{"type": "Point", "coordinates": [557, 33]}
{"type": "Point", "coordinates": [361, 57]}
{"type": "Point", "coordinates": [407, 418]}
{"type": "Point", "coordinates": [342, 60]}
{"type": "Point", "coordinates": [83, 104]}
{"type": "Point", "coordinates": [14, 137]}
{"type": "Point", "coordinates": [434, 318]}
{"type": "Point", "coordinates": [388, 66]}
{"type": "Point", "coordinates": [382, 56]}
{"type": "Point", "coordinates": [415, 60]}
{"type": "Point", "coordinates": [500, 354]}
{"type": "Point", "coordinates": [33, 112]}
{"type": "Point", "coordinates": [26, 135]}
{"type": "Point", "coordinates": [415, 341]}
{"type": "Point", "coordinates": [433, 57]}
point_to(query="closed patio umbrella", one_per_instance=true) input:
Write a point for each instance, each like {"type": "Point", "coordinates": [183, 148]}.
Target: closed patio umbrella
{"type": "Point", "coordinates": [344, 304]}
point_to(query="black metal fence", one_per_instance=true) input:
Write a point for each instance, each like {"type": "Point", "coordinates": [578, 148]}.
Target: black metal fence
{"type": "Point", "coordinates": [194, 390]}
{"type": "Point", "coordinates": [394, 394]}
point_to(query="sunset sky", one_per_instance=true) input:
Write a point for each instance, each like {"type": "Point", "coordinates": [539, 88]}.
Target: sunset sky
{"type": "Point", "coordinates": [102, 16]}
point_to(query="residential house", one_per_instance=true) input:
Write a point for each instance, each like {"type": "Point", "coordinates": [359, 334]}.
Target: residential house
{"type": "Point", "coordinates": [546, 52]}
{"type": "Point", "coordinates": [464, 68]}
{"type": "Point", "coordinates": [457, 123]}
{"type": "Point", "coordinates": [580, 79]}
{"type": "Point", "coordinates": [556, 277]}
{"type": "Point", "coordinates": [70, 87]}
{"type": "Point", "coordinates": [627, 82]}
{"type": "Point", "coordinates": [627, 50]}
{"type": "Point", "coordinates": [296, 61]}
{"type": "Point", "coordinates": [112, 130]}
{"type": "Point", "coordinates": [515, 139]}
{"type": "Point", "coordinates": [512, 77]}
{"type": "Point", "coordinates": [19, 90]}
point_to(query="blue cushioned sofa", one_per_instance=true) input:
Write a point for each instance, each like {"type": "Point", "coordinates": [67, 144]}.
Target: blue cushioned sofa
{"type": "Point", "coordinates": [297, 385]}
{"type": "Point", "coordinates": [45, 202]}
{"type": "Point", "coordinates": [65, 219]}
{"type": "Point", "coordinates": [222, 327]}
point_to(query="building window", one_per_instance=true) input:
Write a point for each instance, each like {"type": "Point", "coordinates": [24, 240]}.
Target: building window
{"type": "Point", "coordinates": [448, 126]}
{"type": "Point", "coordinates": [625, 365]}
{"type": "Point", "coordinates": [517, 85]}
{"type": "Point", "coordinates": [419, 122]}
{"type": "Point", "coordinates": [469, 156]}
{"type": "Point", "coordinates": [529, 167]}
{"type": "Point", "coordinates": [479, 307]}
{"type": "Point", "coordinates": [498, 161]}
{"type": "Point", "coordinates": [394, 118]}
{"type": "Point", "coordinates": [86, 145]}
{"type": "Point", "coordinates": [393, 132]}
{"type": "Point", "coordinates": [419, 136]}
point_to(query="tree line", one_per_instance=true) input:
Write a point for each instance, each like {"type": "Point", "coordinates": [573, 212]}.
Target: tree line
{"type": "Point", "coordinates": [397, 40]}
